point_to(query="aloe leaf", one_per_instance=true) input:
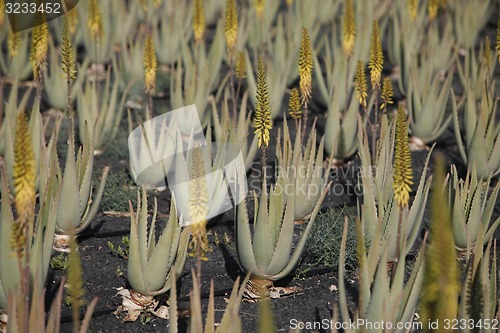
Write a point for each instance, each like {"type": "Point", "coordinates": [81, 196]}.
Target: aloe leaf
{"type": "Point", "coordinates": [303, 238]}
{"type": "Point", "coordinates": [244, 238]}
{"type": "Point", "coordinates": [87, 218]}
{"type": "Point", "coordinates": [458, 135]}
{"type": "Point", "coordinates": [263, 243]}
{"type": "Point", "coordinates": [195, 317]}
{"type": "Point", "coordinates": [344, 311]}
{"type": "Point", "coordinates": [68, 214]}
{"type": "Point", "coordinates": [135, 268]}
{"type": "Point", "coordinates": [9, 274]}
{"type": "Point", "coordinates": [281, 253]}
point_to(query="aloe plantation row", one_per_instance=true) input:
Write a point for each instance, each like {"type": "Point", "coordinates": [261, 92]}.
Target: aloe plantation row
{"type": "Point", "coordinates": [249, 166]}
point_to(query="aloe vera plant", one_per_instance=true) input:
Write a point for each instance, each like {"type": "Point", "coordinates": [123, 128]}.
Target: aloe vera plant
{"type": "Point", "coordinates": [267, 252]}
{"type": "Point", "coordinates": [479, 296]}
{"type": "Point", "coordinates": [55, 85]}
{"type": "Point", "coordinates": [196, 75]}
{"type": "Point", "coordinates": [427, 106]}
{"type": "Point", "coordinates": [378, 204]}
{"type": "Point", "coordinates": [101, 108]}
{"type": "Point", "coordinates": [303, 171]}
{"type": "Point", "coordinates": [117, 19]}
{"type": "Point", "coordinates": [38, 323]}
{"type": "Point", "coordinates": [130, 63]}
{"type": "Point", "coordinates": [381, 298]}
{"type": "Point", "coordinates": [41, 236]}
{"type": "Point", "coordinates": [230, 322]}
{"type": "Point", "coordinates": [341, 127]}
{"type": "Point", "coordinates": [17, 66]}
{"type": "Point", "coordinates": [173, 30]}
{"type": "Point", "coordinates": [471, 209]}
{"type": "Point", "coordinates": [481, 146]}
{"type": "Point", "coordinates": [402, 50]}
{"type": "Point", "coordinates": [476, 69]}
{"type": "Point", "coordinates": [150, 261]}
{"type": "Point", "coordinates": [226, 131]}
{"type": "Point", "coordinates": [76, 207]}
{"type": "Point", "coordinates": [210, 173]}
{"type": "Point", "coordinates": [469, 18]}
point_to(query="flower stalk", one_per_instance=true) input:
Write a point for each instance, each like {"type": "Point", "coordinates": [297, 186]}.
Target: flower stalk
{"type": "Point", "coordinates": [402, 161]}
{"type": "Point", "coordinates": [231, 27]}
{"type": "Point", "coordinates": [305, 73]}
{"type": "Point", "coordinates": [150, 67]}
{"type": "Point", "coordinates": [39, 49]}
{"type": "Point", "coordinates": [349, 29]}
{"type": "Point", "coordinates": [68, 60]}
{"type": "Point", "coordinates": [198, 21]}
{"type": "Point", "coordinates": [294, 106]}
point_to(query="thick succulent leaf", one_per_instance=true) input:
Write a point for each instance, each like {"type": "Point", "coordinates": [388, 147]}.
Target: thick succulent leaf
{"type": "Point", "coordinates": [92, 210]}
{"type": "Point", "coordinates": [244, 238]}
{"type": "Point", "coordinates": [380, 293]}
{"type": "Point", "coordinates": [281, 253]}
{"type": "Point", "coordinates": [412, 290]}
{"type": "Point", "coordinates": [364, 278]}
{"type": "Point", "coordinates": [162, 258]}
{"type": "Point", "coordinates": [303, 238]}
{"type": "Point", "coordinates": [210, 320]}
{"type": "Point", "coordinates": [231, 321]}
{"type": "Point", "coordinates": [456, 126]}
{"type": "Point", "coordinates": [69, 213]}
{"type": "Point", "coordinates": [344, 311]}
{"type": "Point", "coordinates": [135, 269]}
{"type": "Point", "coordinates": [195, 314]}
{"type": "Point", "coordinates": [263, 243]}
{"type": "Point", "coordinates": [172, 309]}
{"type": "Point", "coordinates": [86, 168]}
{"type": "Point", "coordinates": [9, 274]}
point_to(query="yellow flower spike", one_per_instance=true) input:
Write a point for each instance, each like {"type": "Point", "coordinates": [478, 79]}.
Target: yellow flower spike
{"type": "Point", "coordinates": [39, 44]}
{"type": "Point", "coordinates": [497, 47]}
{"type": "Point", "coordinates": [413, 9]}
{"type": "Point", "coordinates": [67, 51]}
{"type": "Point", "coordinates": [231, 26]}
{"type": "Point", "coordinates": [24, 176]}
{"type": "Point", "coordinates": [198, 202]}
{"type": "Point", "coordinates": [360, 85]}
{"type": "Point", "coordinates": [72, 17]}
{"type": "Point", "coordinates": [241, 66]}
{"type": "Point", "coordinates": [260, 6]}
{"type": "Point", "coordinates": [387, 93]}
{"type": "Point", "coordinates": [294, 104]}
{"type": "Point", "coordinates": [349, 28]}
{"type": "Point", "coordinates": [376, 56]}
{"type": "Point", "coordinates": [150, 65]}
{"type": "Point", "coordinates": [262, 121]}
{"type": "Point", "coordinates": [403, 174]}
{"type": "Point", "coordinates": [289, 3]}
{"type": "Point", "coordinates": [2, 14]}
{"type": "Point", "coordinates": [13, 43]}
{"type": "Point", "coordinates": [305, 68]}
{"type": "Point", "coordinates": [94, 22]}
{"type": "Point", "coordinates": [198, 20]}
{"type": "Point", "coordinates": [432, 9]}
